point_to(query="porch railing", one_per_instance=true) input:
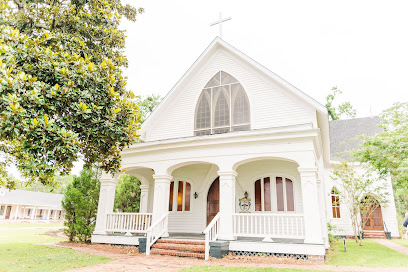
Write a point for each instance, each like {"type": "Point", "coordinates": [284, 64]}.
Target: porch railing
{"type": "Point", "coordinates": [211, 234]}
{"type": "Point", "coordinates": [269, 225]}
{"type": "Point", "coordinates": [128, 222]}
{"type": "Point", "coordinates": [156, 230]}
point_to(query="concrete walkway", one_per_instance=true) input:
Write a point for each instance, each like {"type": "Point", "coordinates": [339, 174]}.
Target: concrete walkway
{"type": "Point", "coordinates": [141, 263]}
{"type": "Point", "coordinates": [394, 246]}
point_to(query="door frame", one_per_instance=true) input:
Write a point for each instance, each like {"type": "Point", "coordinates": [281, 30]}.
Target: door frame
{"type": "Point", "coordinates": [372, 226]}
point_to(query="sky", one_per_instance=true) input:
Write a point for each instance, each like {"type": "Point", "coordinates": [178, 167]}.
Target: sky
{"type": "Point", "coordinates": [359, 46]}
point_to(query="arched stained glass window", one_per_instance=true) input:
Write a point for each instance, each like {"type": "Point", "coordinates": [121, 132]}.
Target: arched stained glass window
{"type": "Point", "coordinates": [203, 115]}
{"type": "Point", "coordinates": [222, 109]}
{"type": "Point", "coordinates": [223, 106]}
{"type": "Point", "coordinates": [240, 105]}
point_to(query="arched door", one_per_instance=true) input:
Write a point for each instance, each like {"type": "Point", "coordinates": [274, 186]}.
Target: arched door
{"type": "Point", "coordinates": [374, 217]}
{"type": "Point", "coordinates": [213, 200]}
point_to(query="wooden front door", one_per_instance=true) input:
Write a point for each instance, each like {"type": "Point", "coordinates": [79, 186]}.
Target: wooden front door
{"type": "Point", "coordinates": [8, 211]}
{"type": "Point", "coordinates": [213, 200]}
{"type": "Point", "coordinates": [374, 219]}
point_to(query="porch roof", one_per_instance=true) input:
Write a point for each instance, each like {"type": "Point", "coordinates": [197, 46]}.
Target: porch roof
{"type": "Point", "coordinates": [29, 198]}
{"type": "Point", "coordinates": [277, 133]}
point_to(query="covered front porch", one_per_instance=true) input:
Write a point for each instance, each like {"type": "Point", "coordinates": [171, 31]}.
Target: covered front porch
{"type": "Point", "coordinates": [198, 201]}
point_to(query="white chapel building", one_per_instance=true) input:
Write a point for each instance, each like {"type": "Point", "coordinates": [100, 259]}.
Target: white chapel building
{"type": "Point", "coordinates": [233, 153]}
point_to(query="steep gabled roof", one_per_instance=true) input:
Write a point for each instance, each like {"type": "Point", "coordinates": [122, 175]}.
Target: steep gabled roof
{"type": "Point", "coordinates": [217, 43]}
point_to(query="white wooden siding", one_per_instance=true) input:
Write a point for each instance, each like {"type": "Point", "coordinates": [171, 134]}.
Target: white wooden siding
{"type": "Point", "coordinates": [343, 224]}
{"type": "Point", "coordinates": [270, 104]}
{"type": "Point", "coordinates": [200, 177]}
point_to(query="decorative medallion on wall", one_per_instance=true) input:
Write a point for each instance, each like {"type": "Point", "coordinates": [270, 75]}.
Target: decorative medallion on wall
{"type": "Point", "coordinates": [245, 203]}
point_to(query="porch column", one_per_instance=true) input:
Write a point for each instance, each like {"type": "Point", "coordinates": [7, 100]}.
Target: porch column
{"type": "Point", "coordinates": [313, 230]}
{"type": "Point", "coordinates": [49, 214]}
{"type": "Point", "coordinates": [227, 203]}
{"type": "Point", "coordinates": [144, 197]}
{"type": "Point", "coordinates": [106, 201]}
{"type": "Point", "coordinates": [16, 213]}
{"type": "Point", "coordinates": [33, 214]}
{"type": "Point", "coordinates": [161, 197]}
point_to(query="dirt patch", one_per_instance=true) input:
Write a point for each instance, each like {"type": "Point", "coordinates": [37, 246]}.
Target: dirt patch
{"type": "Point", "coordinates": [125, 261]}
{"type": "Point", "coordinates": [56, 233]}
{"type": "Point", "coordinates": [114, 249]}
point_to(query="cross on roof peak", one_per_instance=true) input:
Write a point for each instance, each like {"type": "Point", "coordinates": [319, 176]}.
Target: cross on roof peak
{"type": "Point", "coordinates": [219, 22]}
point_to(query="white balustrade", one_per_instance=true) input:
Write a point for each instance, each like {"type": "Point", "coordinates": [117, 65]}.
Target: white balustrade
{"type": "Point", "coordinates": [156, 230]}
{"type": "Point", "coordinates": [128, 222]}
{"type": "Point", "coordinates": [269, 225]}
{"type": "Point", "coordinates": [211, 234]}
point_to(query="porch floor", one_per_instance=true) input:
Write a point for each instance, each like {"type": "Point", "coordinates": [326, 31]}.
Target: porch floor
{"type": "Point", "coordinates": [200, 236]}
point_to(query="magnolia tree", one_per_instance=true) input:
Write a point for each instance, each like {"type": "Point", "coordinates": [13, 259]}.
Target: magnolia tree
{"type": "Point", "coordinates": [361, 192]}
{"type": "Point", "coordinates": [62, 92]}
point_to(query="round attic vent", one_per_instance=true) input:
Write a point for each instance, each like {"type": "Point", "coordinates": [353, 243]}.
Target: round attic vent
{"type": "Point", "coordinates": [2, 193]}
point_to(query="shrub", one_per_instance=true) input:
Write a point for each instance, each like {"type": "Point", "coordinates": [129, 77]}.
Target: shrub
{"type": "Point", "coordinates": [81, 204]}
{"type": "Point", "coordinates": [127, 197]}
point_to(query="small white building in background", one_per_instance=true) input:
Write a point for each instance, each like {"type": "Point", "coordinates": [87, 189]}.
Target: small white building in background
{"type": "Point", "coordinates": [28, 205]}
{"type": "Point", "coordinates": [344, 136]}
{"type": "Point", "coordinates": [233, 153]}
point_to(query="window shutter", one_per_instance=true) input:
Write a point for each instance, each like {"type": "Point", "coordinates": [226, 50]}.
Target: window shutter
{"type": "Point", "coordinates": [290, 204]}
{"type": "Point", "coordinates": [171, 196]}
{"type": "Point", "coordinates": [187, 197]}
{"type": "Point", "coordinates": [267, 194]}
{"type": "Point", "coordinates": [258, 195]}
{"type": "Point", "coordinates": [279, 194]}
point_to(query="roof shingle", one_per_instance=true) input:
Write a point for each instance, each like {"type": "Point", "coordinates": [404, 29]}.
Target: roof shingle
{"type": "Point", "coordinates": [343, 134]}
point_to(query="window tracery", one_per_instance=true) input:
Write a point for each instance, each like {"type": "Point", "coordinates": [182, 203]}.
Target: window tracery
{"type": "Point", "coordinates": [222, 107]}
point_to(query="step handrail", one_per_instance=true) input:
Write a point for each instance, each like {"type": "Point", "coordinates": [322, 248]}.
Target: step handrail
{"type": "Point", "coordinates": [156, 230]}
{"type": "Point", "coordinates": [385, 225]}
{"type": "Point", "coordinates": [211, 234]}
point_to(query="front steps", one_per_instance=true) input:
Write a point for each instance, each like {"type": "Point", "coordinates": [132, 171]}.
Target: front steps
{"type": "Point", "coordinates": [374, 234]}
{"type": "Point", "coordinates": [180, 248]}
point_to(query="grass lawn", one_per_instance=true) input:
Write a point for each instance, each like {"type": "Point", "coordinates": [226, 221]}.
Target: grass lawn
{"type": "Point", "coordinates": [238, 269]}
{"type": "Point", "coordinates": [401, 242]}
{"type": "Point", "coordinates": [30, 225]}
{"type": "Point", "coordinates": [371, 254]}
{"type": "Point", "coordinates": [19, 251]}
